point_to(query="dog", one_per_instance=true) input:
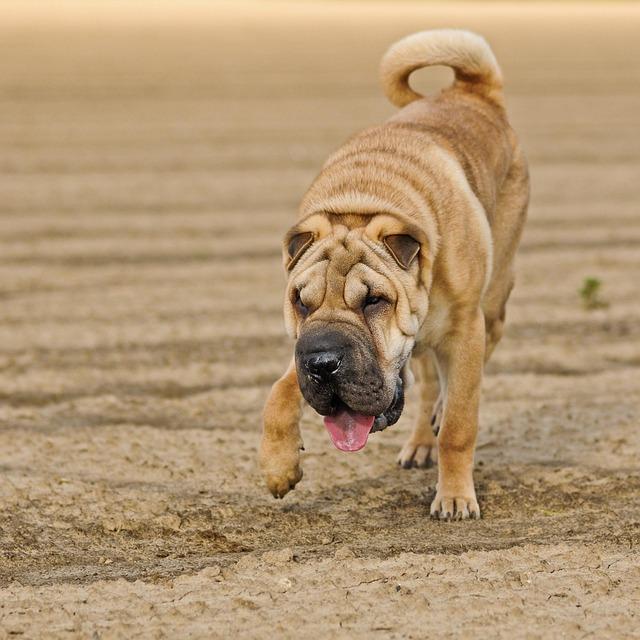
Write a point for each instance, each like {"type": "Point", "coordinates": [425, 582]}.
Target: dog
{"type": "Point", "coordinates": [401, 261]}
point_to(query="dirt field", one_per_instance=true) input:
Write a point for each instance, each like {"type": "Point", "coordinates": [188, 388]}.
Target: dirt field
{"type": "Point", "coordinates": [150, 162]}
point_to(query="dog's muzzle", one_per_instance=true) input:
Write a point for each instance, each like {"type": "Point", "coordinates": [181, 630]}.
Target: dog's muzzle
{"type": "Point", "coordinates": [340, 378]}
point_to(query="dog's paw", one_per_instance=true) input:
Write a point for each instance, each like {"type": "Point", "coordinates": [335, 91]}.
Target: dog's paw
{"type": "Point", "coordinates": [455, 507]}
{"type": "Point", "coordinates": [281, 471]}
{"type": "Point", "coordinates": [280, 484]}
{"type": "Point", "coordinates": [421, 453]}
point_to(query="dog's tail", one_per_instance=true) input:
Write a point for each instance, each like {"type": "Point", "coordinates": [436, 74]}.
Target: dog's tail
{"type": "Point", "coordinates": [468, 54]}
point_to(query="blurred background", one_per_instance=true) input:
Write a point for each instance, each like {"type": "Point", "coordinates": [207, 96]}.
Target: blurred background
{"type": "Point", "coordinates": [152, 154]}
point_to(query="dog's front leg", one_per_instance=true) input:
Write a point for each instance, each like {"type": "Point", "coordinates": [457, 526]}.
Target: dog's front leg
{"type": "Point", "coordinates": [281, 440]}
{"type": "Point", "coordinates": [420, 448]}
{"type": "Point", "coordinates": [461, 357]}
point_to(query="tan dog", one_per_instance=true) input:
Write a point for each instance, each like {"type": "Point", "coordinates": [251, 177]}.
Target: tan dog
{"type": "Point", "coordinates": [404, 249]}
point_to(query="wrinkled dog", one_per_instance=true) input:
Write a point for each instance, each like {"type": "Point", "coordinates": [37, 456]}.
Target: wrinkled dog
{"type": "Point", "coordinates": [401, 260]}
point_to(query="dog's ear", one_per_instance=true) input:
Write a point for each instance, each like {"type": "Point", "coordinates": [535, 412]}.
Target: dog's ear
{"type": "Point", "coordinates": [403, 247]}
{"type": "Point", "coordinates": [297, 244]}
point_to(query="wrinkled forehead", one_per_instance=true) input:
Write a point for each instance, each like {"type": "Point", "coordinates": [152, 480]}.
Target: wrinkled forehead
{"type": "Point", "coordinates": [339, 251]}
{"type": "Point", "coordinates": [343, 249]}
{"type": "Point", "coordinates": [337, 256]}
{"type": "Point", "coordinates": [341, 269]}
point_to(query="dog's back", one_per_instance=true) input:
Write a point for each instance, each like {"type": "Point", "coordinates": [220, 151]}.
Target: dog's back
{"type": "Point", "coordinates": [467, 121]}
{"type": "Point", "coordinates": [469, 117]}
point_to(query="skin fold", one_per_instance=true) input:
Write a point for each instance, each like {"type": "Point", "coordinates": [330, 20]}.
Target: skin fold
{"type": "Point", "coordinates": [401, 260]}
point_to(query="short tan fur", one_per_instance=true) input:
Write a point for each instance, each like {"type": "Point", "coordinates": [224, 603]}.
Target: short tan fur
{"type": "Point", "coordinates": [424, 212]}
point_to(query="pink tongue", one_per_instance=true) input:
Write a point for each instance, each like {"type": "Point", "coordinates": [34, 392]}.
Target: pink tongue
{"type": "Point", "coordinates": [349, 430]}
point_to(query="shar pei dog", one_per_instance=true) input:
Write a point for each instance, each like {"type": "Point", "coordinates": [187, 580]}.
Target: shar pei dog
{"type": "Point", "coordinates": [401, 262]}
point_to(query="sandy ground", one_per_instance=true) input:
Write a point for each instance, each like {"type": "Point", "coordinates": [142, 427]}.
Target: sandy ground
{"type": "Point", "coordinates": [150, 161]}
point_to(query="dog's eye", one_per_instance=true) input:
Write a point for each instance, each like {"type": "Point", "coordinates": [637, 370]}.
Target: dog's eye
{"type": "Point", "coordinates": [372, 301]}
{"type": "Point", "coordinates": [303, 310]}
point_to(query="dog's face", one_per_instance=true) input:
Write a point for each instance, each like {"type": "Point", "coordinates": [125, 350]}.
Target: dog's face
{"type": "Point", "coordinates": [356, 297]}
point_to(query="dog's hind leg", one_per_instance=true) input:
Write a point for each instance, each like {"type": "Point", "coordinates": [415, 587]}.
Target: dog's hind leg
{"type": "Point", "coordinates": [508, 222]}
{"type": "Point", "coordinates": [281, 439]}
{"type": "Point", "coordinates": [436, 414]}
{"type": "Point", "coordinates": [421, 447]}
{"type": "Point", "coordinates": [494, 323]}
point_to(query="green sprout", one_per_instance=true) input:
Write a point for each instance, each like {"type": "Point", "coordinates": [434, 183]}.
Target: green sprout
{"type": "Point", "coordinates": [590, 294]}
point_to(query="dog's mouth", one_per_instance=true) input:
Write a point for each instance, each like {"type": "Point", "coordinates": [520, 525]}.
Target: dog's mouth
{"type": "Point", "coordinates": [349, 430]}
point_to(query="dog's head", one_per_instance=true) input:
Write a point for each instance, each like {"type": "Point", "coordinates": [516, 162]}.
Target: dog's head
{"type": "Point", "coordinates": [356, 297]}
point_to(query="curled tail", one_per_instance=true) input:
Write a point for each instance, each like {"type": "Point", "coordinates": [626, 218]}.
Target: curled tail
{"type": "Point", "coordinates": [468, 54]}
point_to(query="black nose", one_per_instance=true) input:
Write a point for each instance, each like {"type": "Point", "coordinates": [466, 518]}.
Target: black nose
{"type": "Point", "coordinates": [322, 354]}
{"type": "Point", "coordinates": [323, 365]}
